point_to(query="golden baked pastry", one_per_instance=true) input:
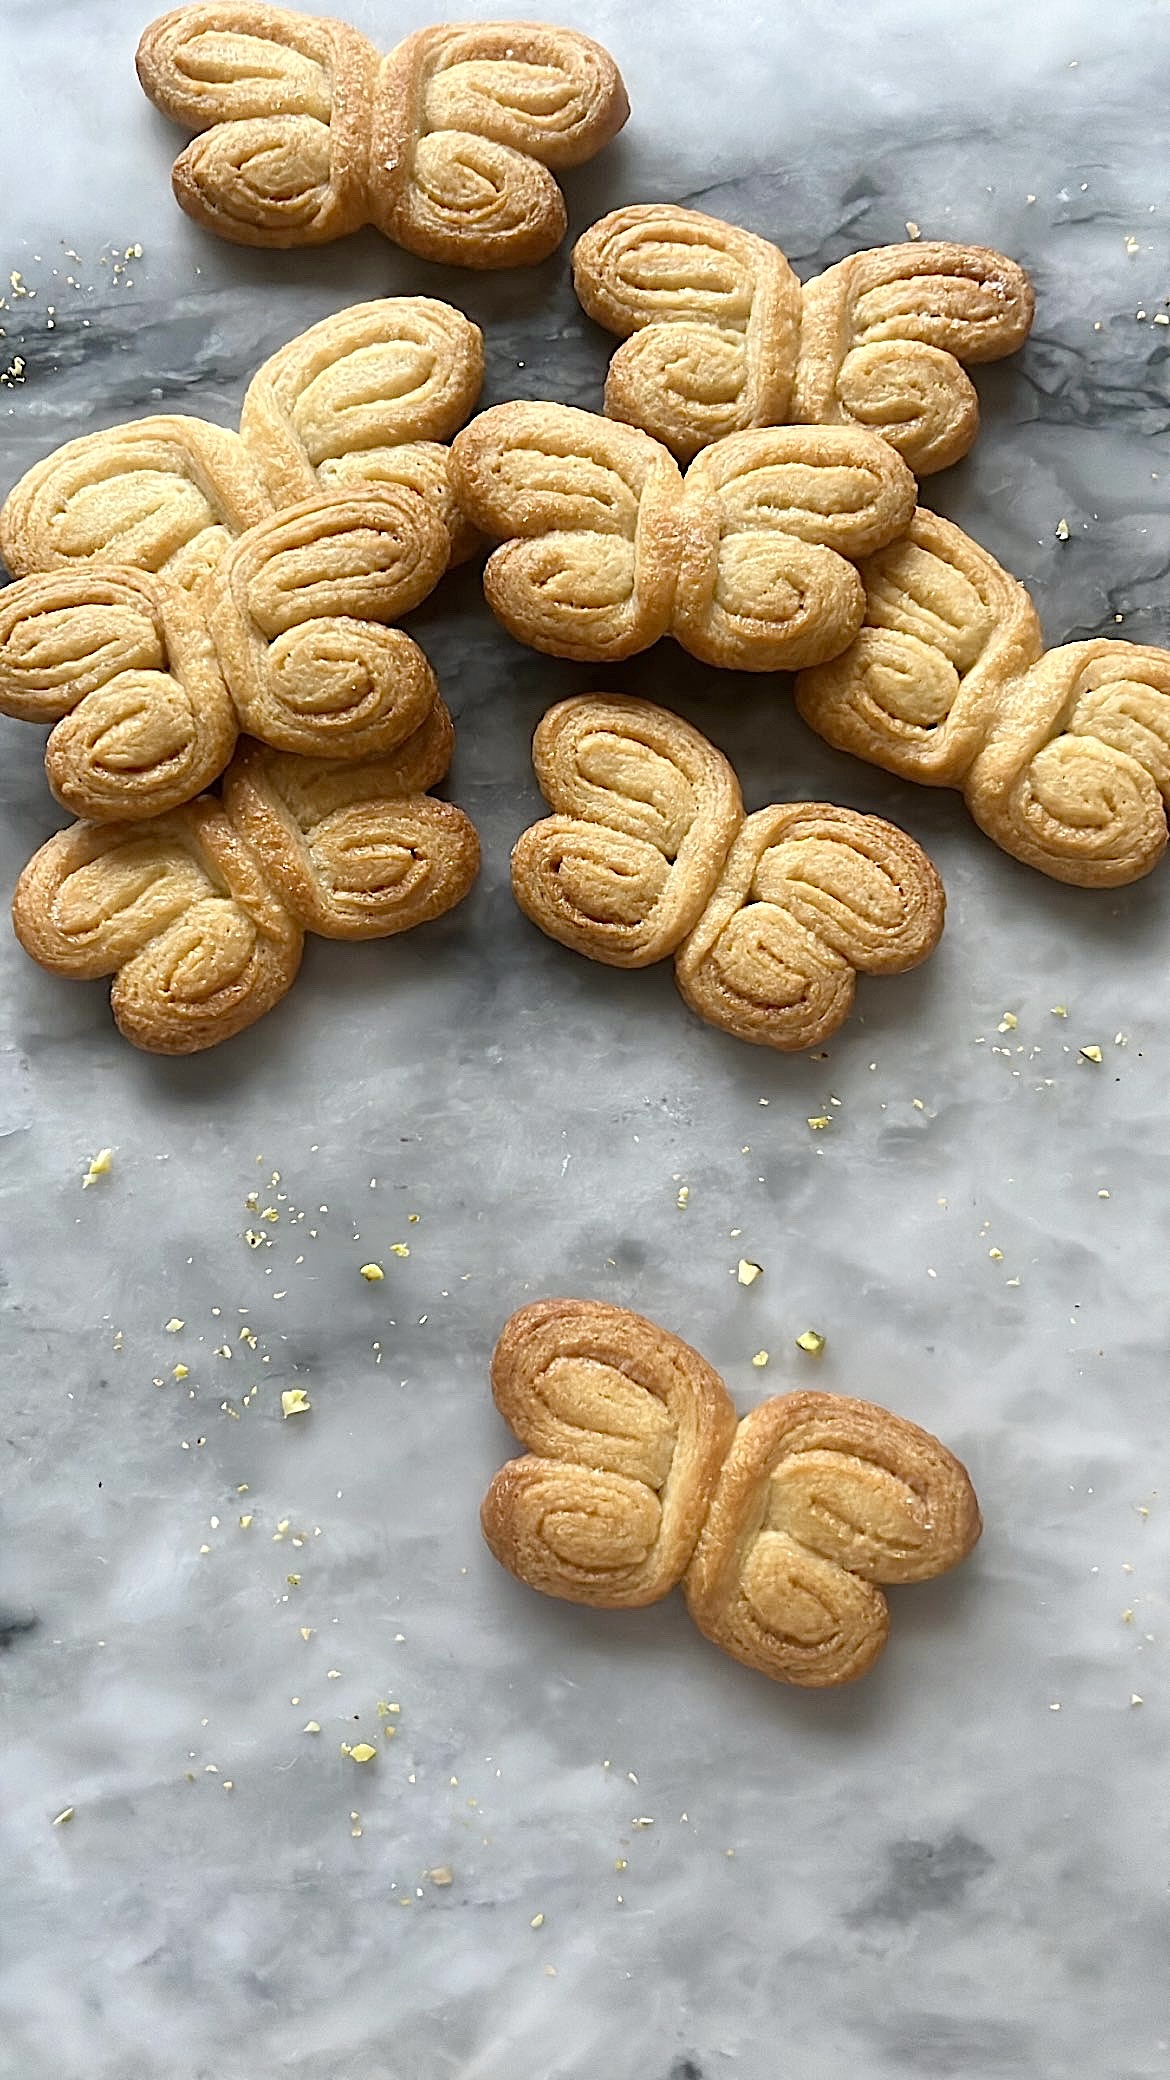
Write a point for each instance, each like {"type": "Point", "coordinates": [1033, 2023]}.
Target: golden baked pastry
{"type": "Point", "coordinates": [626, 1429]}
{"type": "Point", "coordinates": [366, 397]}
{"type": "Point", "coordinates": [122, 663]}
{"type": "Point", "coordinates": [1062, 756]}
{"type": "Point", "coordinates": [149, 684]}
{"type": "Point", "coordinates": [811, 897]}
{"type": "Point", "coordinates": [820, 1499]}
{"type": "Point", "coordinates": [448, 145]}
{"type": "Point", "coordinates": [770, 917]}
{"type": "Point", "coordinates": [166, 494]}
{"type": "Point", "coordinates": [636, 1477]}
{"type": "Point", "coordinates": [646, 812]}
{"type": "Point", "coordinates": [719, 334]}
{"type": "Point", "coordinates": [747, 562]}
{"type": "Point", "coordinates": [300, 620]}
{"type": "Point", "coordinates": [200, 914]}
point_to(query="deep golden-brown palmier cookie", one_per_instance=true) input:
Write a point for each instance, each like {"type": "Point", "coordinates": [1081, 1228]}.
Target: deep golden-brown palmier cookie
{"type": "Point", "coordinates": [1062, 756]}
{"type": "Point", "coordinates": [645, 808]}
{"type": "Point", "coordinates": [770, 918]}
{"type": "Point", "coordinates": [637, 1477]}
{"type": "Point", "coordinates": [167, 494]}
{"type": "Point", "coordinates": [123, 665]}
{"type": "Point", "coordinates": [820, 1498]}
{"type": "Point", "coordinates": [448, 144]}
{"type": "Point", "coordinates": [719, 335]}
{"type": "Point", "coordinates": [367, 396]}
{"type": "Point", "coordinates": [199, 915]}
{"type": "Point", "coordinates": [626, 1428]}
{"type": "Point", "coordinates": [748, 562]}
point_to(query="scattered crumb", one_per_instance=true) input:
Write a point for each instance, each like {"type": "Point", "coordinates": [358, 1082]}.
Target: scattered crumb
{"type": "Point", "coordinates": [100, 1166]}
{"type": "Point", "coordinates": [812, 1341]}
{"type": "Point", "coordinates": [295, 1402]}
{"type": "Point", "coordinates": [64, 1816]}
{"type": "Point", "coordinates": [760, 1359]}
{"type": "Point", "coordinates": [1091, 1054]}
{"type": "Point", "coordinates": [372, 1273]}
{"type": "Point", "coordinates": [747, 1272]}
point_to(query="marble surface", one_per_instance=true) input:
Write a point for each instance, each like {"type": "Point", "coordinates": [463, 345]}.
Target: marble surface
{"type": "Point", "coordinates": [961, 1866]}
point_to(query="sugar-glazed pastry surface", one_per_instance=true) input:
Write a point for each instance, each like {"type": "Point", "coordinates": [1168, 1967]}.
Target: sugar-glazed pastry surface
{"type": "Point", "coordinates": [719, 335]}
{"type": "Point", "coordinates": [449, 144]}
{"type": "Point", "coordinates": [1062, 756]}
{"type": "Point", "coordinates": [748, 561]}
{"type": "Point", "coordinates": [149, 684]}
{"type": "Point", "coordinates": [636, 1477]}
{"type": "Point", "coordinates": [200, 914]}
{"type": "Point", "coordinates": [769, 918]}
{"type": "Point", "coordinates": [367, 396]}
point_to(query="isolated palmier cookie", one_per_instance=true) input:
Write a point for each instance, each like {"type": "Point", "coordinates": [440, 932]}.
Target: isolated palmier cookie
{"type": "Point", "coordinates": [449, 144]}
{"type": "Point", "coordinates": [636, 1477]}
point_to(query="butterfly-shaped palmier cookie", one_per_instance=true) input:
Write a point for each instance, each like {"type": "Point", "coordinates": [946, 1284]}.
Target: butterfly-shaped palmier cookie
{"type": "Point", "coordinates": [769, 918]}
{"type": "Point", "coordinates": [780, 1528]}
{"type": "Point", "coordinates": [199, 915]}
{"type": "Point", "coordinates": [148, 684]}
{"type": "Point", "coordinates": [719, 335]}
{"type": "Point", "coordinates": [748, 561]}
{"type": "Point", "coordinates": [1062, 756]}
{"type": "Point", "coordinates": [449, 144]}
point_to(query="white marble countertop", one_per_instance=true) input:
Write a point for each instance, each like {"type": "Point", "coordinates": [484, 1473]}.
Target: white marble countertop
{"type": "Point", "coordinates": [958, 1868]}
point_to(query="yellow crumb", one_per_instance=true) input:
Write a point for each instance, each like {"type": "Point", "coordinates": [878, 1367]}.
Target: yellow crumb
{"type": "Point", "coordinates": [747, 1272]}
{"type": "Point", "coordinates": [100, 1166]}
{"type": "Point", "coordinates": [372, 1272]}
{"type": "Point", "coordinates": [812, 1341]}
{"type": "Point", "coordinates": [295, 1402]}
{"type": "Point", "coordinates": [1091, 1054]}
{"type": "Point", "coordinates": [760, 1359]}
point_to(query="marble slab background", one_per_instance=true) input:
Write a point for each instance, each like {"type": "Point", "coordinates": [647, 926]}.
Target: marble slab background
{"type": "Point", "coordinates": [961, 1867]}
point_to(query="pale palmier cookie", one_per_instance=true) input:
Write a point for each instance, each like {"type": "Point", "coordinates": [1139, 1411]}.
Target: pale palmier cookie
{"type": "Point", "coordinates": [166, 494]}
{"type": "Point", "coordinates": [719, 336]}
{"type": "Point", "coordinates": [367, 397]}
{"type": "Point", "coordinates": [710, 317]}
{"type": "Point", "coordinates": [820, 1499]}
{"type": "Point", "coordinates": [626, 1429]}
{"type": "Point", "coordinates": [780, 1528]}
{"type": "Point", "coordinates": [1063, 757]}
{"type": "Point", "coordinates": [645, 811]}
{"type": "Point", "coordinates": [810, 897]}
{"type": "Point", "coordinates": [121, 663]}
{"type": "Point", "coordinates": [199, 915]}
{"type": "Point", "coordinates": [746, 561]}
{"type": "Point", "coordinates": [300, 622]}
{"type": "Point", "coordinates": [448, 145]}
{"type": "Point", "coordinates": [770, 918]}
